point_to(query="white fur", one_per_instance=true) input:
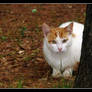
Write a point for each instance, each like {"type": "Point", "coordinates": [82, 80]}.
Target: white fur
{"type": "Point", "coordinates": [60, 61]}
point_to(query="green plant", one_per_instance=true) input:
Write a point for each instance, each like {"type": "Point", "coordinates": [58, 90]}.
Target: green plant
{"type": "Point", "coordinates": [27, 58]}
{"type": "Point", "coordinates": [63, 84]}
{"type": "Point", "coordinates": [66, 84]}
{"type": "Point", "coordinates": [84, 14]}
{"type": "Point", "coordinates": [4, 38]}
{"type": "Point", "coordinates": [23, 29]}
{"type": "Point", "coordinates": [19, 85]}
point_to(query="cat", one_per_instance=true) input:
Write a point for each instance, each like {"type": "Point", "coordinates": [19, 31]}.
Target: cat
{"type": "Point", "coordinates": [62, 47]}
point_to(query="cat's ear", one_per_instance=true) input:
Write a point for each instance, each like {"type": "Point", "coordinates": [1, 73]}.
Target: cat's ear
{"type": "Point", "coordinates": [46, 29]}
{"type": "Point", "coordinates": [69, 28]}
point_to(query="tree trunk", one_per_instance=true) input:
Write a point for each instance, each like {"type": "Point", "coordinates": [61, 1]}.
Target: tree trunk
{"type": "Point", "coordinates": [84, 77]}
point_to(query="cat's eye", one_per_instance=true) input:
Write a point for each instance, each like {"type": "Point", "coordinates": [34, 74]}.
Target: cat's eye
{"type": "Point", "coordinates": [54, 42]}
{"type": "Point", "coordinates": [65, 40]}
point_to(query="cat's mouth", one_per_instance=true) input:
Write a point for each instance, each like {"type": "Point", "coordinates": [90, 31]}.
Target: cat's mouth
{"type": "Point", "coordinates": [60, 51]}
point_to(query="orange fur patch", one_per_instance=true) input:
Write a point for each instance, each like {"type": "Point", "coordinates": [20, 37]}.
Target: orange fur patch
{"type": "Point", "coordinates": [54, 31]}
{"type": "Point", "coordinates": [76, 65]}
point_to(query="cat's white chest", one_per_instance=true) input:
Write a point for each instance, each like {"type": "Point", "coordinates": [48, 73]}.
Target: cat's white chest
{"type": "Point", "coordinates": [53, 59]}
{"type": "Point", "coordinates": [57, 60]}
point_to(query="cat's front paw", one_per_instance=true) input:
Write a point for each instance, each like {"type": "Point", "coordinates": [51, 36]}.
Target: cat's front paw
{"type": "Point", "coordinates": [56, 73]}
{"type": "Point", "coordinates": [67, 74]}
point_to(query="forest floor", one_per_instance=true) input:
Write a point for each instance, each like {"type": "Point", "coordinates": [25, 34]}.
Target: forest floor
{"type": "Point", "coordinates": [22, 64]}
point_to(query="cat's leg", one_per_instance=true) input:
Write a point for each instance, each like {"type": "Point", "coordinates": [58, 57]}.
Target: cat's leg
{"type": "Point", "coordinates": [67, 73]}
{"type": "Point", "coordinates": [56, 73]}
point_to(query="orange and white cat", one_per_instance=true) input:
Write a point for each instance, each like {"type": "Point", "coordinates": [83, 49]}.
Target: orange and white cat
{"type": "Point", "coordinates": [62, 47]}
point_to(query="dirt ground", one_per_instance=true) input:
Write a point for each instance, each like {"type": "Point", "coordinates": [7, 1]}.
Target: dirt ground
{"type": "Point", "coordinates": [22, 64]}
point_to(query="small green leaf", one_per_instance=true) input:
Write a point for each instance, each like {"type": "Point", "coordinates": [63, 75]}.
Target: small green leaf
{"type": "Point", "coordinates": [34, 10]}
{"type": "Point", "coordinates": [4, 38]}
{"type": "Point", "coordinates": [84, 14]}
{"type": "Point", "coordinates": [22, 30]}
{"type": "Point", "coordinates": [27, 58]}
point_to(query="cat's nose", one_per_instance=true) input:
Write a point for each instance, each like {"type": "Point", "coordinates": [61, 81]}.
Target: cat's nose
{"type": "Point", "coordinates": [60, 49]}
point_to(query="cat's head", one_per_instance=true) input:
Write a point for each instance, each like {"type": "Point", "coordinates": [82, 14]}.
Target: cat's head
{"type": "Point", "coordinates": [58, 39]}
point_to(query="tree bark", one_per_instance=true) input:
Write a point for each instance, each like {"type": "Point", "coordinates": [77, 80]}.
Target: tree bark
{"type": "Point", "coordinates": [84, 77]}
